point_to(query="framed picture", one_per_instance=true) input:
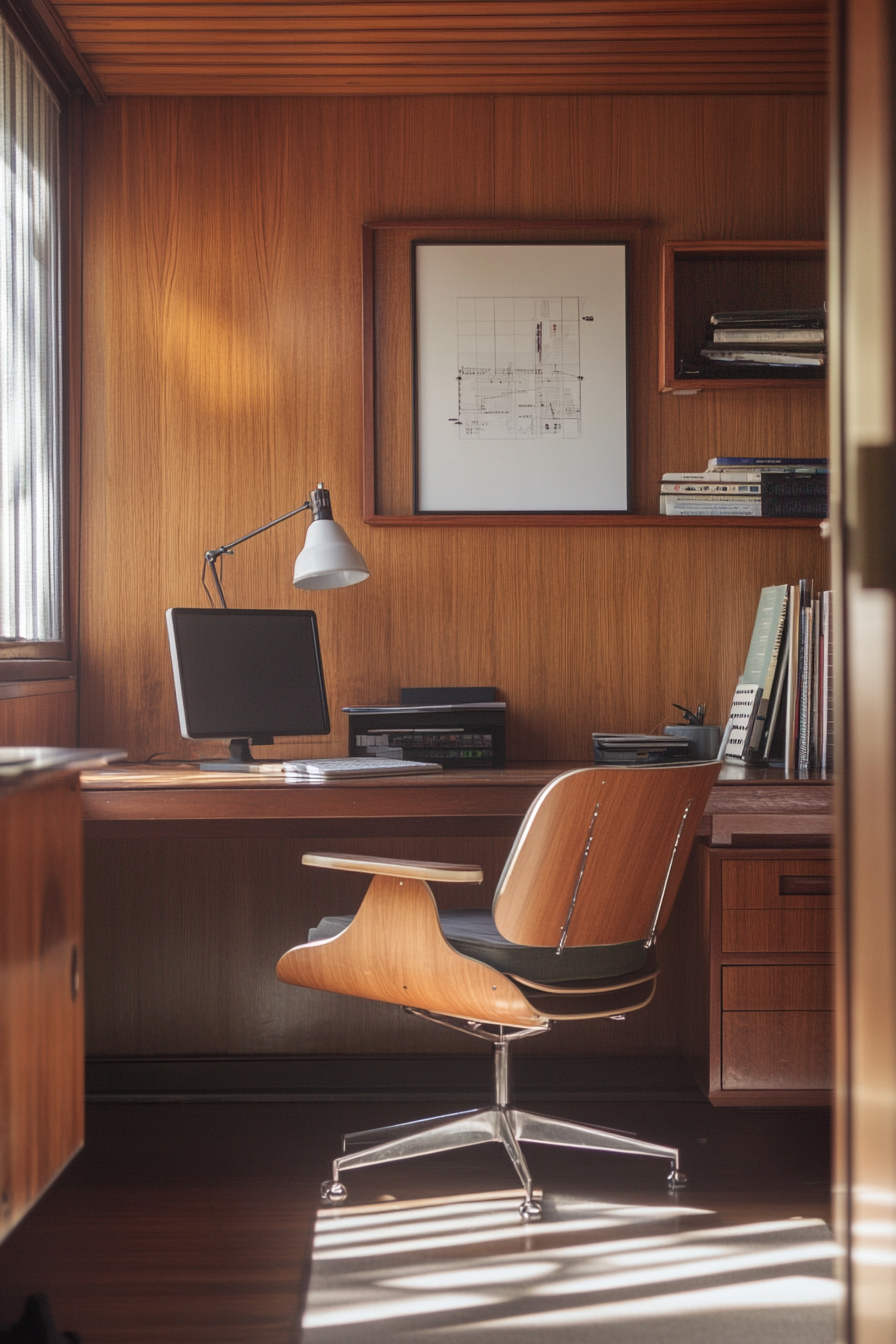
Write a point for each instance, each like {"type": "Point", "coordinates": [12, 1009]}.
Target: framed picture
{"type": "Point", "coordinates": [520, 354]}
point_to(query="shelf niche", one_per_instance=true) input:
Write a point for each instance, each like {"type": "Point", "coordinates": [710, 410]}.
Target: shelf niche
{"type": "Point", "coordinates": [701, 278]}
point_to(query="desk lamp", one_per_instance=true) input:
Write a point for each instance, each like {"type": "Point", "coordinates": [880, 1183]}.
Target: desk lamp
{"type": "Point", "coordinates": [327, 560]}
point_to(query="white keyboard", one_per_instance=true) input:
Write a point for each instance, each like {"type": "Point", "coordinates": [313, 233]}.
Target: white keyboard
{"type": "Point", "coordinates": [344, 767]}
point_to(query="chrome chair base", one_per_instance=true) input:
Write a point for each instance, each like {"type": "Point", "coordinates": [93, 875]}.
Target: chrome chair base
{"type": "Point", "coordinates": [498, 1123]}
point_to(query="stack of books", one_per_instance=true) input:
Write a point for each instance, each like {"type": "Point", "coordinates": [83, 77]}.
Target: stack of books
{"type": "Point", "coordinates": [749, 487]}
{"type": "Point", "coordinates": [783, 706]}
{"type": "Point", "coordinates": [759, 342]}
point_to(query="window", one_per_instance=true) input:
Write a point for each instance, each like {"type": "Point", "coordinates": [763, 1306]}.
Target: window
{"type": "Point", "coordinates": [31, 488]}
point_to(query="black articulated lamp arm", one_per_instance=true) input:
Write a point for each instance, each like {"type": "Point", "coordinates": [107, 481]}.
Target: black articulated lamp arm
{"type": "Point", "coordinates": [319, 504]}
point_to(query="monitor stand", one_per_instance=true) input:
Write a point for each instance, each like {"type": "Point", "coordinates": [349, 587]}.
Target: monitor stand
{"type": "Point", "coordinates": [240, 760]}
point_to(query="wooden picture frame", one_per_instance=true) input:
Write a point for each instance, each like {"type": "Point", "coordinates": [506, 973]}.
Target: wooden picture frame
{"type": "Point", "coordinates": [390, 484]}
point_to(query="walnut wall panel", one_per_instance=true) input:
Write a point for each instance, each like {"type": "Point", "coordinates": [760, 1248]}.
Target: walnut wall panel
{"type": "Point", "coordinates": [222, 337]}
{"type": "Point", "coordinates": [39, 713]}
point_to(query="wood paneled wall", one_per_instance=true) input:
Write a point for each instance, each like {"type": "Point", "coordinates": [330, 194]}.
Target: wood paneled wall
{"type": "Point", "coordinates": [222, 337]}
{"type": "Point", "coordinates": [222, 340]}
{"type": "Point", "coordinates": [39, 713]}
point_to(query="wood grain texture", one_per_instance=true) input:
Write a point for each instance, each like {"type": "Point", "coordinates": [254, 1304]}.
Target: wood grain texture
{"type": "Point", "coordinates": [809, 930]}
{"type": "Point", "coordinates": [448, 46]}
{"type": "Point", "coordinates": [183, 936]}
{"type": "Point", "coordinates": [433, 871]}
{"type": "Point", "coordinates": [591, 859]}
{"type": "Point", "coordinates": [865, 1164]}
{"type": "Point", "coordinates": [41, 1018]}
{"type": "Point", "coordinates": [707, 277]}
{"type": "Point", "coordinates": [763, 885]}
{"type": "Point", "coordinates": [394, 951]}
{"type": "Point", "coordinates": [194, 1224]}
{"type": "Point", "coordinates": [222, 346]}
{"type": "Point", "coordinates": [780, 967]}
{"type": "Point", "coordinates": [38, 714]}
{"type": "Point", "coordinates": [777, 1050]}
{"type": "Point", "coordinates": [767, 988]}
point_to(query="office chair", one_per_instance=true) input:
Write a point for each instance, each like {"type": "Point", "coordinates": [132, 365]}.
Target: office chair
{"type": "Point", "coordinates": [586, 890]}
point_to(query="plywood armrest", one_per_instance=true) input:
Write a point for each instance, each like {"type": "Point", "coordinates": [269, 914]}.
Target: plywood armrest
{"type": "Point", "coordinates": [424, 872]}
{"type": "Point", "coordinates": [394, 951]}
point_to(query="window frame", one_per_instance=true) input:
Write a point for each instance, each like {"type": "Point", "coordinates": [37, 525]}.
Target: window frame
{"type": "Point", "coordinates": [50, 660]}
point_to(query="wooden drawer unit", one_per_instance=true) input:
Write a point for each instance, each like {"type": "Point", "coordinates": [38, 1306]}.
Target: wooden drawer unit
{"type": "Point", "coordinates": [763, 1028]}
{"type": "Point", "coordinates": [777, 1026]}
{"type": "Point", "coordinates": [777, 905]}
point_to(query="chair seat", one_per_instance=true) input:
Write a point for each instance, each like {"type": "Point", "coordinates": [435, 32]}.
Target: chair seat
{"type": "Point", "coordinates": [473, 933]}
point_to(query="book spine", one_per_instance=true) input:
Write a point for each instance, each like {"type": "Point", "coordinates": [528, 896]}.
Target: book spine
{"type": "Point", "coordinates": [774, 709]}
{"type": "Point", "coordinates": [757, 463]}
{"type": "Point", "coordinates": [816, 682]}
{"type": "Point", "coordinates": [783, 483]}
{"type": "Point", "coordinates": [683, 506]}
{"type": "Point", "coordinates": [793, 507]}
{"type": "Point", "coordinates": [707, 488]}
{"type": "Point", "coordinates": [827, 751]}
{"type": "Point", "coordinates": [790, 725]}
{"type": "Point", "coordinates": [728, 477]}
{"type": "Point", "coordinates": [765, 355]}
{"type": "Point", "coordinates": [804, 674]}
{"type": "Point", "coordinates": [758, 747]}
{"type": "Point", "coordinates": [797, 336]}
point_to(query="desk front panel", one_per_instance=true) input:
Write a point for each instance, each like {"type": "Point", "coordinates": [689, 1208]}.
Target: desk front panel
{"type": "Point", "coordinates": [182, 938]}
{"type": "Point", "coordinates": [195, 887]}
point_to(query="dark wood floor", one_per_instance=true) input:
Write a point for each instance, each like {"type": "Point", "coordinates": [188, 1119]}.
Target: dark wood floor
{"type": "Point", "coordinates": [191, 1223]}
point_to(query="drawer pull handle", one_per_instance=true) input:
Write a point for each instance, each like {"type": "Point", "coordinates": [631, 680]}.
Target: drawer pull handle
{"type": "Point", "coordinates": [802, 885]}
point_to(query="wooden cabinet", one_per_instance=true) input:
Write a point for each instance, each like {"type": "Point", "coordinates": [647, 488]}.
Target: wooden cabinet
{"type": "Point", "coordinates": [41, 1013]}
{"type": "Point", "coordinates": [700, 278]}
{"type": "Point", "coordinates": [762, 1017]}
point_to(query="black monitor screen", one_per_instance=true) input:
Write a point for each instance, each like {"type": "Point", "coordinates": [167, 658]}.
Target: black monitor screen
{"type": "Point", "coordinates": [245, 674]}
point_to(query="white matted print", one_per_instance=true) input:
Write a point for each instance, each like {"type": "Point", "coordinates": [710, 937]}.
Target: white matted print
{"type": "Point", "coordinates": [521, 377]}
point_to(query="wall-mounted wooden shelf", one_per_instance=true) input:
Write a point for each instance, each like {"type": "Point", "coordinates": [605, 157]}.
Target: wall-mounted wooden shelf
{"type": "Point", "coordinates": [700, 278]}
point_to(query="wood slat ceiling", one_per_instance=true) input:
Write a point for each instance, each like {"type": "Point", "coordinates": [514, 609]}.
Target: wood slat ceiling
{"type": "Point", "coordinates": [452, 46]}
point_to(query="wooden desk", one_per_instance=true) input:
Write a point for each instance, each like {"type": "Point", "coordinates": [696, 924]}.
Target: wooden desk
{"type": "Point", "coordinates": [194, 887]}
{"type": "Point", "coordinates": [174, 801]}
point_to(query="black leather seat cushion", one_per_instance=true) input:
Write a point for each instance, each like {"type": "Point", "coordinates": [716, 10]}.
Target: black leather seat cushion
{"type": "Point", "coordinates": [473, 933]}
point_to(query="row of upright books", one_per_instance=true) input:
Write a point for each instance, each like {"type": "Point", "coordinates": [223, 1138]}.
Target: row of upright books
{"type": "Point", "coordinates": [783, 706]}
{"type": "Point", "coordinates": [767, 342]}
{"type": "Point", "coordinates": [748, 487]}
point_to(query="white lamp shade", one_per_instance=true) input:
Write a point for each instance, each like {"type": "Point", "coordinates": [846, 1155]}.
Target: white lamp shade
{"type": "Point", "coordinates": [328, 559]}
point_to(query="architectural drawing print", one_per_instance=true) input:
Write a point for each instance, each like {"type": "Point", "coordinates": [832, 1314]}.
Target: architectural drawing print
{"type": "Point", "coordinates": [519, 368]}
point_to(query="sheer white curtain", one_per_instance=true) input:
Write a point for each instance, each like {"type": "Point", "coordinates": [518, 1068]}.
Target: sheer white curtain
{"type": "Point", "coordinates": [30, 359]}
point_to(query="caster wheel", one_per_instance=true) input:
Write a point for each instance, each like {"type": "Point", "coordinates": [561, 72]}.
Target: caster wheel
{"type": "Point", "coordinates": [530, 1211]}
{"type": "Point", "coordinates": [676, 1179]}
{"type": "Point", "coordinates": [333, 1192]}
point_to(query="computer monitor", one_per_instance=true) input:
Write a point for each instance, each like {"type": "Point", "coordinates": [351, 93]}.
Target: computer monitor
{"type": "Point", "coordinates": [248, 676]}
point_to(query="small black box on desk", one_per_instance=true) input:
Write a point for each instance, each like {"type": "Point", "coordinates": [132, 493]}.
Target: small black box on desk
{"type": "Point", "coordinates": [638, 749]}
{"type": "Point", "coordinates": [457, 737]}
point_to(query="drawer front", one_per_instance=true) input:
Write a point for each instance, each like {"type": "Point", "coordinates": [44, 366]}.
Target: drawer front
{"type": "Point", "coordinates": [777, 884]}
{"type": "Point", "coordinates": [777, 905]}
{"type": "Point", "coordinates": [777, 988]}
{"type": "Point", "coordinates": [777, 931]}
{"type": "Point", "coordinates": [772, 1050]}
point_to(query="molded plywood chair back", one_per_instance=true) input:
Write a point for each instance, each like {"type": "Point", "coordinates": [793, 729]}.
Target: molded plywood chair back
{"type": "Point", "coordinates": [600, 854]}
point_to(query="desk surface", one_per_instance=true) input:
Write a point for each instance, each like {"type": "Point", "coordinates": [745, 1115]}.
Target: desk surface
{"type": "Point", "coordinates": [179, 800]}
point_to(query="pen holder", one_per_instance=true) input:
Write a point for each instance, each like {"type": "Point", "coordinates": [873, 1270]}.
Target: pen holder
{"type": "Point", "coordinates": [703, 741]}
